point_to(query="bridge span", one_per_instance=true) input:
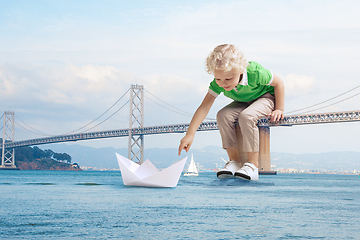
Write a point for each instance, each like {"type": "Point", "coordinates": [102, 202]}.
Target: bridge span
{"type": "Point", "coordinates": [316, 118]}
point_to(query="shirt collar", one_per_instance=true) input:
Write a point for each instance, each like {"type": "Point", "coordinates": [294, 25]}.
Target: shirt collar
{"type": "Point", "coordinates": [244, 80]}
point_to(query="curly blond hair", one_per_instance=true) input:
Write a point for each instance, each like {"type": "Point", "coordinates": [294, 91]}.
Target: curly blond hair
{"type": "Point", "coordinates": [225, 57]}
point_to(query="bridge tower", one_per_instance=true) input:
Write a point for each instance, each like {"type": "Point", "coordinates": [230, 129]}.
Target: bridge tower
{"type": "Point", "coordinates": [8, 155]}
{"type": "Point", "coordinates": [136, 142]}
{"type": "Point", "coordinates": [264, 150]}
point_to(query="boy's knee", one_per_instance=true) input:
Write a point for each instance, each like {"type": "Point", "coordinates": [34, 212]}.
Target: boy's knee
{"type": "Point", "coordinates": [220, 115]}
{"type": "Point", "coordinates": [246, 116]}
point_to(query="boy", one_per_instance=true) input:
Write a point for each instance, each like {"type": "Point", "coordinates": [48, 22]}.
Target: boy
{"type": "Point", "coordinates": [256, 93]}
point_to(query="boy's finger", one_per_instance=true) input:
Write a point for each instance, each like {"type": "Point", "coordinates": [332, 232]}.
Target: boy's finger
{"type": "Point", "coordinates": [180, 148]}
{"type": "Point", "coordinates": [273, 118]}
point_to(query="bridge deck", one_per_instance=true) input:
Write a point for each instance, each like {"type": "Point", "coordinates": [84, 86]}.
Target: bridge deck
{"type": "Point", "coordinates": [319, 118]}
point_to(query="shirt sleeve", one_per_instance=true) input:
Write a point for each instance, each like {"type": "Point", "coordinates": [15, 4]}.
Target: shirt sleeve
{"type": "Point", "coordinates": [261, 76]}
{"type": "Point", "coordinates": [213, 93]}
{"type": "Point", "coordinates": [272, 78]}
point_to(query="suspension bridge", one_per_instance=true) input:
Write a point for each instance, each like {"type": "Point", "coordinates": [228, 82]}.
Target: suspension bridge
{"type": "Point", "coordinates": [136, 130]}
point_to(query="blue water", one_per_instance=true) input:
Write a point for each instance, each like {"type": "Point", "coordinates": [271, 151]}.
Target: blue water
{"type": "Point", "coordinates": [96, 205]}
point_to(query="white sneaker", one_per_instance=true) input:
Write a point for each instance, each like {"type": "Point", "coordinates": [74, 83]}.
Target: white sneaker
{"type": "Point", "coordinates": [228, 171]}
{"type": "Point", "coordinates": [248, 172]}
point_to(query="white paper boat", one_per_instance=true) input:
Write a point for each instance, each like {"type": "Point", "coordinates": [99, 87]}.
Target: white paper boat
{"type": "Point", "coordinates": [147, 175]}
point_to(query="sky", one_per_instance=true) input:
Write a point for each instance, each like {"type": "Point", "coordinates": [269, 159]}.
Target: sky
{"type": "Point", "coordinates": [63, 63]}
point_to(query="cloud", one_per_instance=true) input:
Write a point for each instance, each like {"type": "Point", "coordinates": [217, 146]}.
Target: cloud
{"type": "Point", "coordinates": [299, 85]}
{"type": "Point", "coordinates": [73, 95]}
{"type": "Point", "coordinates": [51, 98]}
{"type": "Point", "coordinates": [72, 85]}
{"type": "Point", "coordinates": [7, 87]}
{"type": "Point", "coordinates": [93, 81]}
{"type": "Point", "coordinates": [172, 88]}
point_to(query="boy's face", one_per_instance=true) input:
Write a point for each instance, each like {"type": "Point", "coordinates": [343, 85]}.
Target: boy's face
{"type": "Point", "coordinates": [227, 80]}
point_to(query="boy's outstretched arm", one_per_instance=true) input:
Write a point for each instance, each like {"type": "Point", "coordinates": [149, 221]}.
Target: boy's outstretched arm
{"type": "Point", "coordinates": [197, 119]}
{"type": "Point", "coordinates": [279, 89]}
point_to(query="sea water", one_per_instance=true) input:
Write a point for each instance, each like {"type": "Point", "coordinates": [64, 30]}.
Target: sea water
{"type": "Point", "coordinates": [96, 205]}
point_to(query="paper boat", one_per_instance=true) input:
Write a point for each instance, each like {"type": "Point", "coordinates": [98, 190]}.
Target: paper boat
{"type": "Point", "coordinates": [147, 175]}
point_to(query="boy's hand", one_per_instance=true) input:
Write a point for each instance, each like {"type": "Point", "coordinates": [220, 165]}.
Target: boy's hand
{"type": "Point", "coordinates": [185, 143]}
{"type": "Point", "coordinates": [277, 115]}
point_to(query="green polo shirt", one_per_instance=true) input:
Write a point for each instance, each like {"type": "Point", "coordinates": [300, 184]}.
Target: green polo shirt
{"type": "Point", "coordinates": [254, 83]}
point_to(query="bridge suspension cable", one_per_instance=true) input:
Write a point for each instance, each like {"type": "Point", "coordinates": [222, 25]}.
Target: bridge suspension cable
{"type": "Point", "coordinates": [102, 115]}
{"type": "Point", "coordinates": [108, 117]}
{"type": "Point", "coordinates": [0, 121]}
{"type": "Point", "coordinates": [35, 130]}
{"type": "Point", "coordinates": [330, 104]}
{"type": "Point", "coordinates": [170, 107]}
{"type": "Point", "coordinates": [328, 100]}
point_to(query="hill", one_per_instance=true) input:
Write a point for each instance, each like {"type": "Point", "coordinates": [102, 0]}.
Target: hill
{"type": "Point", "coordinates": [33, 158]}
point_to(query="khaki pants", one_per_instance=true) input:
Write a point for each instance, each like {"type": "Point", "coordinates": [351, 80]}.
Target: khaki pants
{"type": "Point", "coordinates": [237, 123]}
